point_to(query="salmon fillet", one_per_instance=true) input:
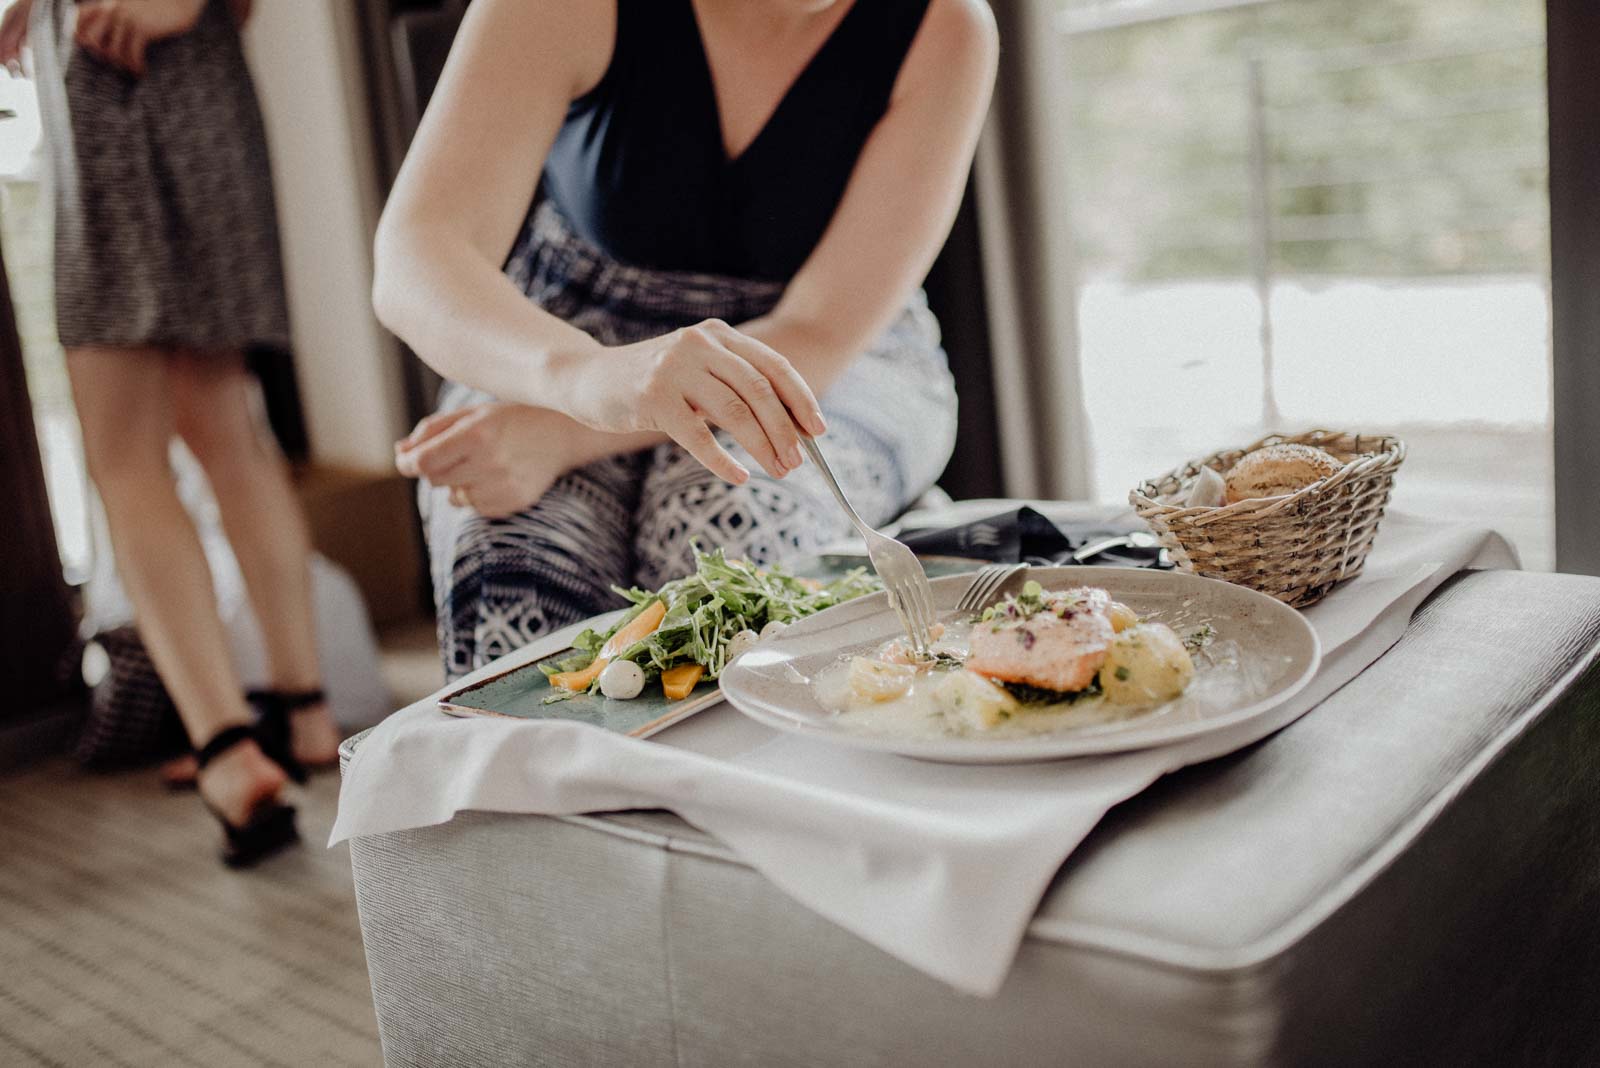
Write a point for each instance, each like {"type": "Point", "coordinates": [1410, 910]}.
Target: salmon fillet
{"type": "Point", "coordinates": [1060, 647]}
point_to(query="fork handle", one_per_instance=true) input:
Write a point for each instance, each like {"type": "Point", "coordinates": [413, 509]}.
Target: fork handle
{"type": "Point", "coordinates": [815, 452]}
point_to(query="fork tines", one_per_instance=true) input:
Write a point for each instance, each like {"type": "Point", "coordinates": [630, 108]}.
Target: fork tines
{"type": "Point", "coordinates": [915, 605]}
{"type": "Point", "coordinates": [986, 582]}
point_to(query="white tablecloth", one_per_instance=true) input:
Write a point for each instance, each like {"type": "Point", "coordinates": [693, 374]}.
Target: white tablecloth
{"type": "Point", "coordinates": [941, 866]}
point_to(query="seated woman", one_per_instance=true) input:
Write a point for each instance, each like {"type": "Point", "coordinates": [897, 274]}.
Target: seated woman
{"type": "Point", "coordinates": [789, 167]}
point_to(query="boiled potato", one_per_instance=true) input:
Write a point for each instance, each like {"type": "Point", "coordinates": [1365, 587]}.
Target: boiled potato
{"type": "Point", "coordinates": [1122, 617]}
{"type": "Point", "coordinates": [1146, 664]}
{"type": "Point", "coordinates": [967, 698]}
{"type": "Point", "coordinates": [873, 680]}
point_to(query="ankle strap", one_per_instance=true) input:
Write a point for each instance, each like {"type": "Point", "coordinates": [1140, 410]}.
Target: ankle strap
{"type": "Point", "coordinates": [286, 700]}
{"type": "Point", "coordinates": [222, 741]}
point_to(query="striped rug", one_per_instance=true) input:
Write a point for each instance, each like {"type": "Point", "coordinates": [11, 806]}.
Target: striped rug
{"type": "Point", "coordinates": [124, 941]}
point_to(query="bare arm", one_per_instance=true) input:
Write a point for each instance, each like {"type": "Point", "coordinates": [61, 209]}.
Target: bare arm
{"type": "Point", "coordinates": [465, 187]}
{"type": "Point", "coordinates": [900, 203]}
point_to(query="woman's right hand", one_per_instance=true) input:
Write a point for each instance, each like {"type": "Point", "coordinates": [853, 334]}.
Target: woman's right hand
{"type": "Point", "coordinates": [709, 373]}
{"type": "Point", "coordinates": [13, 35]}
{"type": "Point", "coordinates": [119, 32]}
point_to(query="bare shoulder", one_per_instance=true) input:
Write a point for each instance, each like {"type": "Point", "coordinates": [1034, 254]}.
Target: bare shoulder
{"type": "Point", "coordinates": [967, 25]}
{"type": "Point", "coordinates": [957, 40]}
{"type": "Point", "coordinates": [572, 36]}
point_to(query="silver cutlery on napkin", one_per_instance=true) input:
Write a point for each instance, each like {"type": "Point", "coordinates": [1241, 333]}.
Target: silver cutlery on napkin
{"type": "Point", "coordinates": [1137, 539]}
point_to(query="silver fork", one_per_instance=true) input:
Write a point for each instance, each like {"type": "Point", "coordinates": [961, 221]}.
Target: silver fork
{"type": "Point", "coordinates": [985, 582]}
{"type": "Point", "coordinates": [901, 571]}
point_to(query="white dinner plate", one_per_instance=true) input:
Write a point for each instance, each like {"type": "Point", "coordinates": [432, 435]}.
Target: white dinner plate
{"type": "Point", "coordinates": [1262, 654]}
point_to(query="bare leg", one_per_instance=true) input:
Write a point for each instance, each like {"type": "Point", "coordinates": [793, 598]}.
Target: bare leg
{"type": "Point", "coordinates": [217, 409]}
{"type": "Point", "coordinates": [125, 411]}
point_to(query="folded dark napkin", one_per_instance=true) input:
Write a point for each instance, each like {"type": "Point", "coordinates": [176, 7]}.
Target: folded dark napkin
{"type": "Point", "coordinates": [1026, 536]}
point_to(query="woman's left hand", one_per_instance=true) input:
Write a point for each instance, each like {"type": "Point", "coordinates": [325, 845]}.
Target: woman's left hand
{"type": "Point", "coordinates": [495, 458]}
{"type": "Point", "coordinates": [119, 31]}
{"type": "Point", "coordinates": [14, 35]}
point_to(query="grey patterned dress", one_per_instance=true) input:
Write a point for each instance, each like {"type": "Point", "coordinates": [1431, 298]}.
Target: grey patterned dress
{"type": "Point", "coordinates": [166, 232]}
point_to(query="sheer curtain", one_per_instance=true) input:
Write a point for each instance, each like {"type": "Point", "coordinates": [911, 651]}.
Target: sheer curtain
{"type": "Point", "coordinates": [1210, 219]}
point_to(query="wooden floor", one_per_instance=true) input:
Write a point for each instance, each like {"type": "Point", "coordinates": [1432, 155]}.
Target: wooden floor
{"type": "Point", "coordinates": [123, 941]}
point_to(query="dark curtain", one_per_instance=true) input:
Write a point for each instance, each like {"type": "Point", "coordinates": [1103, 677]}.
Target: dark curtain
{"type": "Point", "coordinates": [1572, 30]}
{"type": "Point", "coordinates": [36, 614]}
{"type": "Point", "coordinates": [956, 295]}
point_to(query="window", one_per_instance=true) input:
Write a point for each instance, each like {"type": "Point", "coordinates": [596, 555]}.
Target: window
{"type": "Point", "coordinates": [1296, 213]}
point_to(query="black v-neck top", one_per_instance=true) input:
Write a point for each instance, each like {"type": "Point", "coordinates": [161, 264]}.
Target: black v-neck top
{"type": "Point", "coordinates": [639, 167]}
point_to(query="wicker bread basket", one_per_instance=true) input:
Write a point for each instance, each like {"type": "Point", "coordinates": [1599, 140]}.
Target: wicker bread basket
{"type": "Point", "coordinates": [1296, 547]}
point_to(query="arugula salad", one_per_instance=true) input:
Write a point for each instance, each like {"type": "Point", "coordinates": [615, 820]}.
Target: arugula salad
{"type": "Point", "coordinates": [693, 627]}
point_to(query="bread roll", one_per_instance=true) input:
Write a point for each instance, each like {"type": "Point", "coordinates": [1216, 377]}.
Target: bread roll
{"type": "Point", "coordinates": [1277, 470]}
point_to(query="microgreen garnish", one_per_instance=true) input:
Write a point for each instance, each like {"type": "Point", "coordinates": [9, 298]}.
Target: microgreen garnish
{"type": "Point", "coordinates": [707, 608]}
{"type": "Point", "coordinates": [1034, 599]}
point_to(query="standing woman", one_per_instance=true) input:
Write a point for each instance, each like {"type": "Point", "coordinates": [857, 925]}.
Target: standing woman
{"type": "Point", "coordinates": [741, 198]}
{"type": "Point", "coordinates": [167, 269]}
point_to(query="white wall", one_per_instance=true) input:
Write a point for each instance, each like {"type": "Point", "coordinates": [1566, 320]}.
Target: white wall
{"type": "Point", "coordinates": [305, 57]}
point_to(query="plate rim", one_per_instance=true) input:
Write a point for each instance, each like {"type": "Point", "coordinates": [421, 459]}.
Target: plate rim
{"type": "Point", "coordinates": [1043, 747]}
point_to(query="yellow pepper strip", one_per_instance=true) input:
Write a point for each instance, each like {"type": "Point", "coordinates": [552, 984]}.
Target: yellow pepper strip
{"type": "Point", "coordinates": [679, 681]}
{"type": "Point", "coordinates": [640, 626]}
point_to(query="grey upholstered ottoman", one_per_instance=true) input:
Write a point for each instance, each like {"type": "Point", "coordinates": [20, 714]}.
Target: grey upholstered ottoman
{"type": "Point", "coordinates": [1408, 875]}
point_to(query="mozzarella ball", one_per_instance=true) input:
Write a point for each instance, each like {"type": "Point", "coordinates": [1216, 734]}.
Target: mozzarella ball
{"type": "Point", "coordinates": [774, 628]}
{"type": "Point", "coordinates": [1146, 664]}
{"type": "Point", "coordinates": [622, 680]}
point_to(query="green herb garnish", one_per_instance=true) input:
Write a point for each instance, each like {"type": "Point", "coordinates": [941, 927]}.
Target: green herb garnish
{"type": "Point", "coordinates": [1040, 695]}
{"type": "Point", "coordinates": [706, 609]}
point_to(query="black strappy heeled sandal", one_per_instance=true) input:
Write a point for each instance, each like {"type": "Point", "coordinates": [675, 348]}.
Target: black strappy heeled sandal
{"type": "Point", "coordinates": [274, 724]}
{"type": "Point", "coordinates": [271, 824]}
